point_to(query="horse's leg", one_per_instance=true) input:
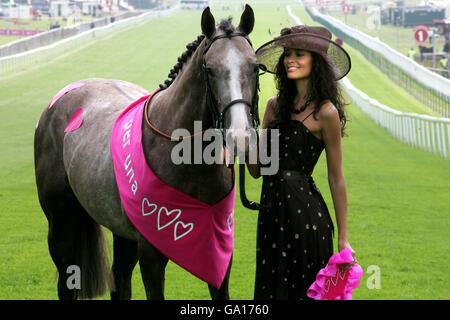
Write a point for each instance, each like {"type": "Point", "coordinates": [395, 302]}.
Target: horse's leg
{"type": "Point", "coordinates": [61, 244]}
{"type": "Point", "coordinates": [153, 266]}
{"type": "Point", "coordinates": [75, 240]}
{"type": "Point", "coordinates": [222, 293]}
{"type": "Point", "coordinates": [125, 259]}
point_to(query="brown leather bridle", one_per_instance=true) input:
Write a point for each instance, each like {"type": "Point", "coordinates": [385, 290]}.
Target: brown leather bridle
{"type": "Point", "coordinates": [159, 132]}
{"type": "Point", "coordinates": [218, 118]}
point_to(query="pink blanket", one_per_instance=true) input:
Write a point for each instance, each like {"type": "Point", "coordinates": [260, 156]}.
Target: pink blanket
{"type": "Point", "coordinates": [195, 235]}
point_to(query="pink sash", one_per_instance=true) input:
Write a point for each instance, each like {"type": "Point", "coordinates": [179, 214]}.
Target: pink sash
{"type": "Point", "coordinates": [195, 235]}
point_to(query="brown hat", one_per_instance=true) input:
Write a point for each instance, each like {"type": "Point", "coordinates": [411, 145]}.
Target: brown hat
{"type": "Point", "coordinates": [310, 38]}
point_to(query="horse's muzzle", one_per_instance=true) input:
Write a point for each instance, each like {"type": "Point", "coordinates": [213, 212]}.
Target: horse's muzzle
{"type": "Point", "coordinates": [240, 141]}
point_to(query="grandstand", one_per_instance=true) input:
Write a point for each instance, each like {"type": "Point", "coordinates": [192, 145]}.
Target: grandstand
{"type": "Point", "coordinates": [194, 4]}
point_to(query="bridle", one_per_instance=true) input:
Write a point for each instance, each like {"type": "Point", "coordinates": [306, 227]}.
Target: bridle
{"type": "Point", "coordinates": [218, 118]}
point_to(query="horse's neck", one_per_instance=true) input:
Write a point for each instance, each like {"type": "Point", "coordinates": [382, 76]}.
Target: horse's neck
{"type": "Point", "coordinates": [184, 101]}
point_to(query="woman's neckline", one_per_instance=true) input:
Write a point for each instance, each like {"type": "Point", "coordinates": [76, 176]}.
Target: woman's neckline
{"type": "Point", "coordinates": [307, 129]}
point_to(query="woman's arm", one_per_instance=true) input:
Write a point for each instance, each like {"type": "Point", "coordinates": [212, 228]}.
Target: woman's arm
{"type": "Point", "coordinates": [254, 168]}
{"type": "Point", "coordinates": [331, 135]}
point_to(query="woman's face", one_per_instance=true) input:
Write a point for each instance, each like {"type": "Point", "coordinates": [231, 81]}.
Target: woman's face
{"type": "Point", "coordinates": [298, 63]}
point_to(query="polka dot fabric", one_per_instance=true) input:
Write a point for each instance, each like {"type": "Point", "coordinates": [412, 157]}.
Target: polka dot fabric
{"type": "Point", "coordinates": [295, 236]}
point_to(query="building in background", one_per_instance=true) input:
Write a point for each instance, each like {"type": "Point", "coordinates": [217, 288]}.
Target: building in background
{"type": "Point", "coordinates": [194, 4]}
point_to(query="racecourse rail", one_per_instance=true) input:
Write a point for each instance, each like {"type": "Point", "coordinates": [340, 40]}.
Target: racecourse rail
{"type": "Point", "coordinates": [51, 36]}
{"type": "Point", "coordinates": [428, 133]}
{"type": "Point", "coordinates": [22, 61]}
{"type": "Point", "coordinates": [426, 86]}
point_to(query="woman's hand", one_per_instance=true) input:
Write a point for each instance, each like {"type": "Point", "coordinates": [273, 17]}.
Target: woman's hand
{"type": "Point", "coordinates": [343, 244]}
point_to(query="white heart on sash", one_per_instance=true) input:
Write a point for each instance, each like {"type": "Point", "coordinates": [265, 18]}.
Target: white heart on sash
{"type": "Point", "coordinates": [167, 214]}
{"type": "Point", "coordinates": [185, 229]}
{"type": "Point", "coordinates": [230, 221]}
{"type": "Point", "coordinates": [148, 207]}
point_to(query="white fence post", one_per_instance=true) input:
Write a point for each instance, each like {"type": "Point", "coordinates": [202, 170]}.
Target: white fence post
{"type": "Point", "coordinates": [444, 148]}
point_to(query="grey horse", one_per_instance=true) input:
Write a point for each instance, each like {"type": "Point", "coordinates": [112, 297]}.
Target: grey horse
{"type": "Point", "coordinates": [74, 171]}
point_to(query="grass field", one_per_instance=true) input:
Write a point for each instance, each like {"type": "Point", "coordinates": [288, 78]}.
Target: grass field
{"type": "Point", "coordinates": [398, 195]}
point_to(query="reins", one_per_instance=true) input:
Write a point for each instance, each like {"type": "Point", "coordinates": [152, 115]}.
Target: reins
{"type": "Point", "coordinates": [159, 132]}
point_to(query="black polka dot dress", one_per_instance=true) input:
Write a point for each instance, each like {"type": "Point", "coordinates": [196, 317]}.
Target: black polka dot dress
{"type": "Point", "coordinates": [295, 236]}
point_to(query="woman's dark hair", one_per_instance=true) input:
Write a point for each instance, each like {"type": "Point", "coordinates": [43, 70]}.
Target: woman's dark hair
{"type": "Point", "coordinates": [322, 87]}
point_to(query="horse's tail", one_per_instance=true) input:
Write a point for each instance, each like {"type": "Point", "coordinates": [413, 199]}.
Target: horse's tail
{"type": "Point", "coordinates": [92, 256]}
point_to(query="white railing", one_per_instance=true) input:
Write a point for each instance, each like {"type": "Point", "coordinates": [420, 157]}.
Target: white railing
{"type": "Point", "coordinates": [428, 133]}
{"type": "Point", "coordinates": [24, 60]}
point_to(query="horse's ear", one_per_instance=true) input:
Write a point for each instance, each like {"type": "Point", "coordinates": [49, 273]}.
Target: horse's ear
{"type": "Point", "coordinates": [247, 20]}
{"type": "Point", "coordinates": [208, 23]}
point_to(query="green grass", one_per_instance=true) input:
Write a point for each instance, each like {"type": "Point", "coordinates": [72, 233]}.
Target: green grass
{"type": "Point", "coordinates": [398, 195]}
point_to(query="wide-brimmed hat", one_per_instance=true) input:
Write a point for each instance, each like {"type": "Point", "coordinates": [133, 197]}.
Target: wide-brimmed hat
{"type": "Point", "coordinates": [310, 38]}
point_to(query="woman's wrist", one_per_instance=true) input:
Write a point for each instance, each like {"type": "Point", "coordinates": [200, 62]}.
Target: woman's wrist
{"type": "Point", "coordinates": [342, 234]}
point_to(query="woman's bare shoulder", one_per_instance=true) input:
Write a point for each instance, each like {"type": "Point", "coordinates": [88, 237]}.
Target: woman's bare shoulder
{"type": "Point", "coordinates": [328, 111]}
{"type": "Point", "coordinates": [272, 101]}
{"type": "Point", "coordinates": [269, 113]}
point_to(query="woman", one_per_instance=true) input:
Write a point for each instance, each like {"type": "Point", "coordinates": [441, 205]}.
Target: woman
{"type": "Point", "coordinates": [295, 236]}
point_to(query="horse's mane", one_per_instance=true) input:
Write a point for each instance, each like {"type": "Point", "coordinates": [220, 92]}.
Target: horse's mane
{"type": "Point", "coordinates": [191, 47]}
{"type": "Point", "coordinates": [224, 25]}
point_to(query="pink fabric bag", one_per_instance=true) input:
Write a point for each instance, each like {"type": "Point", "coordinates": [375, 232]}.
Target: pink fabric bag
{"type": "Point", "coordinates": [333, 284]}
{"type": "Point", "coordinates": [195, 235]}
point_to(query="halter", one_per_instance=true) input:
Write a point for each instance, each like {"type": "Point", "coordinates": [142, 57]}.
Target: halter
{"type": "Point", "coordinates": [218, 118]}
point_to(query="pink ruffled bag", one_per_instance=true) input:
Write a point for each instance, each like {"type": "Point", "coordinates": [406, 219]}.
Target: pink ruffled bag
{"type": "Point", "coordinates": [333, 284]}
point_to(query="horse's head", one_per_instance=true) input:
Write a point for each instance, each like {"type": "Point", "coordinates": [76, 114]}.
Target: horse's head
{"type": "Point", "coordinates": [231, 73]}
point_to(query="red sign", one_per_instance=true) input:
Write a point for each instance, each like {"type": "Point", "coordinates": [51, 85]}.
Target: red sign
{"type": "Point", "coordinates": [346, 9]}
{"type": "Point", "coordinates": [19, 32]}
{"type": "Point", "coordinates": [420, 34]}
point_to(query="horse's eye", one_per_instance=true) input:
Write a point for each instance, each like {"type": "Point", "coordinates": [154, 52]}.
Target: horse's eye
{"type": "Point", "coordinates": [209, 70]}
